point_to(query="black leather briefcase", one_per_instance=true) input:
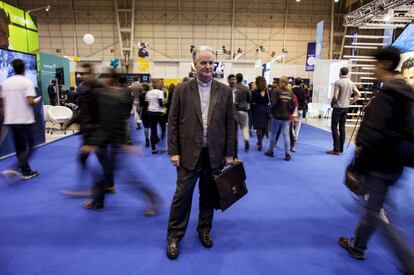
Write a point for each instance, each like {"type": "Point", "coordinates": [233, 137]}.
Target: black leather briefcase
{"type": "Point", "coordinates": [231, 185]}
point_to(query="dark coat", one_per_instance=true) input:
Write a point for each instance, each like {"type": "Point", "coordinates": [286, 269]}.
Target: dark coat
{"type": "Point", "coordinates": [52, 95]}
{"type": "Point", "coordinates": [260, 106]}
{"type": "Point", "coordinates": [185, 126]}
{"type": "Point", "coordinates": [388, 120]}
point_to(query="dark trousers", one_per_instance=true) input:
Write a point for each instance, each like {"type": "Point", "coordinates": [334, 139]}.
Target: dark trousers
{"type": "Point", "coordinates": [163, 124]}
{"type": "Point", "coordinates": [377, 185]}
{"type": "Point", "coordinates": [260, 134]}
{"type": "Point", "coordinates": [338, 120]}
{"type": "Point", "coordinates": [236, 140]}
{"type": "Point", "coordinates": [181, 204]}
{"type": "Point", "coordinates": [23, 143]}
{"type": "Point", "coordinates": [108, 156]}
{"type": "Point", "coordinates": [154, 119]}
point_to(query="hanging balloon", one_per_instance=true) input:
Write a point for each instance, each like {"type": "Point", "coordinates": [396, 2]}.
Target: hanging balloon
{"type": "Point", "coordinates": [88, 39]}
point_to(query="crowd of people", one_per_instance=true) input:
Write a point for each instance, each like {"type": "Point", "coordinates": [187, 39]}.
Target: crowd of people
{"type": "Point", "coordinates": [203, 117]}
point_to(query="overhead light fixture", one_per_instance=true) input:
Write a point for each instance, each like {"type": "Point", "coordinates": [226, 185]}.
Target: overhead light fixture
{"type": "Point", "coordinates": [297, 0]}
{"type": "Point", "coordinates": [46, 8]}
{"type": "Point", "coordinates": [279, 55]}
{"type": "Point", "coordinates": [389, 15]}
{"type": "Point", "coordinates": [238, 54]}
{"type": "Point", "coordinates": [336, 1]}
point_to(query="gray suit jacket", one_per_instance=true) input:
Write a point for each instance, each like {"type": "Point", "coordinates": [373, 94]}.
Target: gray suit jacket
{"type": "Point", "coordinates": [185, 126]}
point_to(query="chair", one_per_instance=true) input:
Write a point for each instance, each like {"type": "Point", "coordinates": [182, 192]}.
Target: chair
{"type": "Point", "coordinates": [46, 117]}
{"type": "Point", "coordinates": [61, 115]}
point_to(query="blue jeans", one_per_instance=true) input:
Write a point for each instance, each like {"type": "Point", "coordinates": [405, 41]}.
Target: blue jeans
{"type": "Point", "coordinates": [284, 124]}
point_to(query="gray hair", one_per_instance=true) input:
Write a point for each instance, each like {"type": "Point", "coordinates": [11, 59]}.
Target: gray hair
{"type": "Point", "coordinates": [199, 50]}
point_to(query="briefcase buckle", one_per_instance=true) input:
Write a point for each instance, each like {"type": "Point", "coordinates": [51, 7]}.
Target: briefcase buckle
{"type": "Point", "coordinates": [234, 189]}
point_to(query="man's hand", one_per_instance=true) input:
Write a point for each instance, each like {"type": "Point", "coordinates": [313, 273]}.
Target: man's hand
{"type": "Point", "coordinates": [228, 160]}
{"type": "Point", "coordinates": [88, 149]}
{"type": "Point", "coordinates": [175, 160]}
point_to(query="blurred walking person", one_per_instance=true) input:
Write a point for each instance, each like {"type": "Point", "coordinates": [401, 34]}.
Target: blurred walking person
{"type": "Point", "coordinates": [241, 105]}
{"type": "Point", "coordinates": [385, 136]}
{"type": "Point", "coordinates": [111, 133]}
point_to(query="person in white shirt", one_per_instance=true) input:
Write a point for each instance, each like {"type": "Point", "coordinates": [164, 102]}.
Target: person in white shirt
{"type": "Point", "coordinates": [18, 95]}
{"type": "Point", "coordinates": [155, 102]}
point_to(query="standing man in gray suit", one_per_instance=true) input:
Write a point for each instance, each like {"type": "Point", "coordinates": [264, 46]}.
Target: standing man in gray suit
{"type": "Point", "coordinates": [200, 140]}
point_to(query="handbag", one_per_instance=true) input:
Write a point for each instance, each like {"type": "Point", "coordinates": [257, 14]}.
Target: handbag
{"type": "Point", "coordinates": [354, 180]}
{"type": "Point", "coordinates": [231, 185]}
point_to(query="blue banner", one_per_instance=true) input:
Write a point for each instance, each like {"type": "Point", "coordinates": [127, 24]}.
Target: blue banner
{"type": "Point", "coordinates": [310, 57]}
{"type": "Point", "coordinates": [319, 40]}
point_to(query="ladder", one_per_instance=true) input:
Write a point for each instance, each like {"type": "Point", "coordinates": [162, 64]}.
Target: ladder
{"type": "Point", "coordinates": [125, 21]}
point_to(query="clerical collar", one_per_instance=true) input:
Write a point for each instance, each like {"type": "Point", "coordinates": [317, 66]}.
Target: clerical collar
{"type": "Point", "coordinates": [204, 85]}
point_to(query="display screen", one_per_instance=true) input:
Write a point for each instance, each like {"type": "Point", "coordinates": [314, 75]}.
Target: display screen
{"type": "Point", "coordinates": [405, 42]}
{"type": "Point", "coordinates": [6, 69]}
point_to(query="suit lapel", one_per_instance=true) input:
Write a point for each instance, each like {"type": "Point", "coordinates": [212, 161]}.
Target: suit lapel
{"type": "Point", "coordinates": [196, 99]}
{"type": "Point", "coordinates": [213, 99]}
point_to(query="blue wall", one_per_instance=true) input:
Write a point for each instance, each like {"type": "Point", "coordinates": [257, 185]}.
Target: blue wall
{"type": "Point", "coordinates": [48, 65]}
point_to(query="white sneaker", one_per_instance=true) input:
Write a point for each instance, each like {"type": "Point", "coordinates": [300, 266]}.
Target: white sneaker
{"type": "Point", "coordinates": [383, 216]}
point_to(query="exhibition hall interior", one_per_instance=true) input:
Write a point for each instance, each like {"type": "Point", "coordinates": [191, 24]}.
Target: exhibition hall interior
{"type": "Point", "coordinates": [207, 137]}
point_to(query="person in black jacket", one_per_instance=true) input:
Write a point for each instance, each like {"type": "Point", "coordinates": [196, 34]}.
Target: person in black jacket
{"type": "Point", "coordinates": [51, 90]}
{"type": "Point", "coordinates": [241, 106]}
{"type": "Point", "coordinates": [112, 133]}
{"type": "Point", "coordinates": [388, 121]}
{"type": "Point", "coordinates": [260, 106]}
{"type": "Point", "coordinates": [301, 97]}
{"type": "Point", "coordinates": [282, 108]}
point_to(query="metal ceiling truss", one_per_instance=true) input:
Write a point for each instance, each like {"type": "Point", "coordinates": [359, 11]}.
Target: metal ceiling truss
{"type": "Point", "coordinates": [373, 14]}
{"type": "Point", "coordinates": [125, 21]}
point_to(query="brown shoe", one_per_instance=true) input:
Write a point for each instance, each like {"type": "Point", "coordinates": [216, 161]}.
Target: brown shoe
{"type": "Point", "coordinates": [333, 152]}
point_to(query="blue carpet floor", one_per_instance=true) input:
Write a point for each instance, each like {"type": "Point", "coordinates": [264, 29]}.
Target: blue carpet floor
{"type": "Point", "coordinates": [287, 224]}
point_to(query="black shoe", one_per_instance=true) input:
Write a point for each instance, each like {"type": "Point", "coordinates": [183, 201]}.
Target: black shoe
{"type": "Point", "coordinates": [246, 146]}
{"type": "Point", "coordinates": [110, 190]}
{"type": "Point", "coordinates": [154, 151]}
{"type": "Point", "coordinates": [147, 143]}
{"type": "Point", "coordinates": [91, 204]}
{"type": "Point", "coordinates": [172, 251]}
{"type": "Point", "coordinates": [333, 152]}
{"type": "Point", "coordinates": [206, 240]}
{"type": "Point", "coordinates": [292, 149]}
{"type": "Point", "coordinates": [259, 148]}
{"type": "Point", "coordinates": [269, 154]}
{"type": "Point", "coordinates": [29, 175]}
{"type": "Point", "coordinates": [356, 253]}
{"type": "Point", "coordinates": [288, 157]}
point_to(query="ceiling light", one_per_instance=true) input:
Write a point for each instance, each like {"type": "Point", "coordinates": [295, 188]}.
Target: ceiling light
{"type": "Point", "coordinates": [336, 1]}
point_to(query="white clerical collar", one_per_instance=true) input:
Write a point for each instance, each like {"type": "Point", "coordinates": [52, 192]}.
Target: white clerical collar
{"type": "Point", "coordinates": [204, 85]}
